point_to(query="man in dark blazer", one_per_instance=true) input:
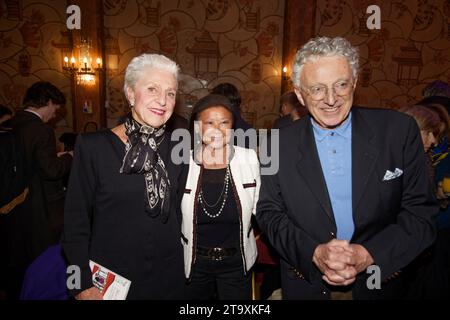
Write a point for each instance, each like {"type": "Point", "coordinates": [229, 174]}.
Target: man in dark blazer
{"type": "Point", "coordinates": [352, 188]}
{"type": "Point", "coordinates": [29, 225]}
{"type": "Point", "coordinates": [291, 110]}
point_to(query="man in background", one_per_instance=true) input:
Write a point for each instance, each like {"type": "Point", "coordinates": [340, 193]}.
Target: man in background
{"type": "Point", "coordinates": [29, 225]}
{"type": "Point", "coordinates": [291, 110]}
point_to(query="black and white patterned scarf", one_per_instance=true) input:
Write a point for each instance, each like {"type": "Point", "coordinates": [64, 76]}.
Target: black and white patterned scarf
{"type": "Point", "coordinates": [142, 157]}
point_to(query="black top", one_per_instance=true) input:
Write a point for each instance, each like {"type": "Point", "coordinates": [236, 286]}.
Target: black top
{"type": "Point", "coordinates": [105, 220]}
{"type": "Point", "coordinates": [28, 225]}
{"type": "Point", "coordinates": [223, 230]}
{"type": "Point", "coordinates": [283, 122]}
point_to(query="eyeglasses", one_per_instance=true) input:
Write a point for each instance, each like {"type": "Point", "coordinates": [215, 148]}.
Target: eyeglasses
{"type": "Point", "coordinates": [341, 88]}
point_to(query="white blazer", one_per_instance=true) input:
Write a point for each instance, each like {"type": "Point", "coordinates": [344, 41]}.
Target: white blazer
{"type": "Point", "coordinates": [244, 167]}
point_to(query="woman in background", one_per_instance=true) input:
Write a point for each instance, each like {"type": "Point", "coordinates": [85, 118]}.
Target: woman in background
{"type": "Point", "coordinates": [430, 277]}
{"type": "Point", "coordinates": [429, 124]}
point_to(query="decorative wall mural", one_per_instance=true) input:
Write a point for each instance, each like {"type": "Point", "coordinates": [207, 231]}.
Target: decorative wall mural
{"type": "Point", "coordinates": [411, 50]}
{"type": "Point", "coordinates": [33, 39]}
{"type": "Point", "coordinates": [213, 41]}
{"type": "Point", "coordinates": [236, 41]}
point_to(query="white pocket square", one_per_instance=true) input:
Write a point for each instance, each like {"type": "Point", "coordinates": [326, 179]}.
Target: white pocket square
{"type": "Point", "coordinates": [389, 175]}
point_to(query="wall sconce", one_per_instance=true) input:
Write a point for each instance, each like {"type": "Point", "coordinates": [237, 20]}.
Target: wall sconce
{"type": "Point", "coordinates": [81, 65]}
{"type": "Point", "coordinates": [285, 74]}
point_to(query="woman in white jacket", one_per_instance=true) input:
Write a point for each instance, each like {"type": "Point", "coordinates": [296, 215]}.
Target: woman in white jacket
{"type": "Point", "coordinates": [219, 199]}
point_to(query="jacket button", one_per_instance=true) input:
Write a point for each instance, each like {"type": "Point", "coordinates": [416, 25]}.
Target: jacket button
{"type": "Point", "coordinates": [333, 234]}
{"type": "Point", "coordinates": [324, 292]}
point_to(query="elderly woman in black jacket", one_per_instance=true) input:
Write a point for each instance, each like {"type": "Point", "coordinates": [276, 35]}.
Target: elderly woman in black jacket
{"type": "Point", "coordinates": [122, 195]}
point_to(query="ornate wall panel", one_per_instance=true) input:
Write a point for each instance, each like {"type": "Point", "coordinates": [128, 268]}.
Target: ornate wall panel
{"type": "Point", "coordinates": [214, 41]}
{"type": "Point", "coordinates": [411, 49]}
{"type": "Point", "coordinates": [33, 35]}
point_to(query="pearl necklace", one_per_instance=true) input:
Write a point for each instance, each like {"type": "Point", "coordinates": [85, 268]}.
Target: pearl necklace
{"type": "Point", "coordinates": [224, 192]}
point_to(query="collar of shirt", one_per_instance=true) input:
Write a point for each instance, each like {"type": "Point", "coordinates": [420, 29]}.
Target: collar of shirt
{"type": "Point", "coordinates": [28, 110]}
{"type": "Point", "coordinates": [343, 130]}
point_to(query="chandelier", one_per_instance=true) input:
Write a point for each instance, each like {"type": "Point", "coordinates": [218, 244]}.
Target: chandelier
{"type": "Point", "coordinates": [81, 63]}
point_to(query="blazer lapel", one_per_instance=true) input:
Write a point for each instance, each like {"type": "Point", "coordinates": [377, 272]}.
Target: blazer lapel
{"type": "Point", "coordinates": [364, 156]}
{"type": "Point", "coordinates": [310, 168]}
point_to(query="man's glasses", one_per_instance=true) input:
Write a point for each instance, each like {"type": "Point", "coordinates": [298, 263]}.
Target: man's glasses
{"type": "Point", "coordinates": [341, 88]}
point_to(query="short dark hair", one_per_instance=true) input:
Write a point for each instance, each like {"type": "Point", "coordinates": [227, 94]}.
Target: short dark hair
{"type": "Point", "coordinates": [231, 92]}
{"type": "Point", "coordinates": [291, 98]}
{"type": "Point", "coordinates": [209, 101]}
{"type": "Point", "coordinates": [69, 139]}
{"type": "Point", "coordinates": [41, 93]}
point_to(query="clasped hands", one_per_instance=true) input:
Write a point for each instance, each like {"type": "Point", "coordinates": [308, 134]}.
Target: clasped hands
{"type": "Point", "coordinates": [340, 262]}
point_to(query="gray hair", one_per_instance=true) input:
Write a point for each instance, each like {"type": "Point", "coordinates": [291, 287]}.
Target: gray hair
{"type": "Point", "coordinates": [140, 63]}
{"type": "Point", "coordinates": [324, 47]}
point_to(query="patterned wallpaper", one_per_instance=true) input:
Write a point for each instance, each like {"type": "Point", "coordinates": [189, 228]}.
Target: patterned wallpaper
{"type": "Point", "coordinates": [411, 49]}
{"type": "Point", "coordinates": [214, 41]}
{"type": "Point", "coordinates": [32, 35]}
{"type": "Point", "coordinates": [238, 41]}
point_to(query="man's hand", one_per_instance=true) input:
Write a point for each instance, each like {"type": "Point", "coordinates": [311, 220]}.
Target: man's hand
{"type": "Point", "coordinates": [361, 257]}
{"type": "Point", "coordinates": [336, 261]}
{"type": "Point", "coordinates": [90, 294]}
{"type": "Point", "coordinates": [340, 261]}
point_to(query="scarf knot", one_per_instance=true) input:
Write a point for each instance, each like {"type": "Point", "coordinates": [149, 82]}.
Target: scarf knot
{"type": "Point", "coordinates": [142, 157]}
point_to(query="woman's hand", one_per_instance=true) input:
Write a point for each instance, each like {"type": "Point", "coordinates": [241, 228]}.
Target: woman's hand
{"type": "Point", "coordinates": [90, 294]}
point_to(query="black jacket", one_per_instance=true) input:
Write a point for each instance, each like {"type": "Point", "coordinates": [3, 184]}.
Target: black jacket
{"type": "Point", "coordinates": [105, 220]}
{"type": "Point", "coordinates": [283, 122]}
{"type": "Point", "coordinates": [29, 231]}
{"type": "Point", "coordinates": [393, 219]}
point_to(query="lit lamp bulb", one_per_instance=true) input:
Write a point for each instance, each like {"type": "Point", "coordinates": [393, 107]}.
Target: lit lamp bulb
{"type": "Point", "coordinates": [66, 61]}
{"type": "Point", "coordinates": [72, 61]}
{"type": "Point", "coordinates": [285, 76]}
{"type": "Point", "coordinates": [99, 62]}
